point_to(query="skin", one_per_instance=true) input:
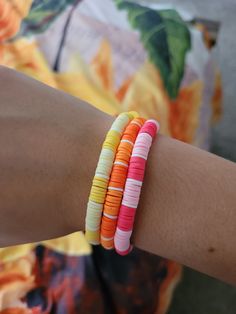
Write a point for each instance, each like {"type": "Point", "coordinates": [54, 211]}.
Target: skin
{"type": "Point", "coordinates": [50, 144]}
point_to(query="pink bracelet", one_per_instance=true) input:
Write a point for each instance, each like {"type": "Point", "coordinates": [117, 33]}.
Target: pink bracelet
{"type": "Point", "coordinates": [133, 186]}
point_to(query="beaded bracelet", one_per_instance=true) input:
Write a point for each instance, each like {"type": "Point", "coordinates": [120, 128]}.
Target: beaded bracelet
{"type": "Point", "coordinates": [102, 174]}
{"type": "Point", "coordinates": [133, 186]}
{"type": "Point", "coordinates": [117, 183]}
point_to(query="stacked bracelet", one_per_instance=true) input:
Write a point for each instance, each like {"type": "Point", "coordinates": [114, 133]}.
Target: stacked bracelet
{"type": "Point", "coordinates": [133, 186]}
{"type": "Point", "coordinates": [117, 182]}
{"type": "Point", "coordinates": [102, 175]}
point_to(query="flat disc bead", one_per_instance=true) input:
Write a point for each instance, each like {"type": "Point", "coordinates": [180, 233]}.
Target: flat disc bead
{"type": "Point", "coordinates": [135, 171]}
{"type": "Point", "coordinates": [98, 190]}
{"type": "Point", "coordinates": [104, 167]}
{"type": "Point", "coordinates": [131, 192]}
{"type": "Point", "coordinates": [133, 115]}
{"type": "Point", "coordinates": [111, 195]}
{"type": "Point", "coordinates": [123, 157]}
{"type": "Point", "coordinates": [121, 241]}
{"type": "Point", "coordinates": [118, 181]}
{"type": "Point", "coordinates": [152, 127]}
{"type": "Point", "coordinates": [115, 186]}
{"type": "Point", "coordinates": [113, 205]}
{"type": "Point", "coordinates": [137, 159]}
{"type": "Point", "coordinates": [110, 208]}
{"type": "Point", "coordinates": [99, 182]}
{"type": "Point", "coordinates": [106, 232]}
{"type": "Point", "coordinates": [115, 194]}
{"type": "Point", "coordinates": [115, 191]}
{"type": "Point", "coordinates": [105, 240]}
{"type": "Point", "coordinates": [123, 160]}
{"type": "Point", "coordinates": [125, 217]}
{"type": "Point", "coordinates": [127, 147]}
{"type": "Point", "coordinates": [127, 211]}
{"type": "Point", "coordinates": [108, 243]}
{"type": "Point", "coordinates": [119, 174]}
{"type": "Point", "coordinates": [131, 196]}
{"type": "Point", "coordinates": [118, 178]}
{"type": "Point", "coordinates": [107, 223]}
{"type": "Point", "coordinates": [138, 177]}
{"type": "Point", "coordinates": [96, 199]}
{"type": "Point", "coordinates": [112, 202]}
{"type": "Point", "coordinates": [122, 165]}
{"type": "Point", "coordinates": [126, 225]}
{"type": "Point", "coordinates": [109, 229]}
{"type": "Point", "coordinates": [112, 211]}
{"type": "Point", "coordinates": [95, 205]}
{"type": "Point", "coordinates": [100, 179]}
{"type": "Point", "coordinates": [95, 193]}
{"type": "Point", "coordinates": [128, 139]}
{"type": "Point", "coordinates": [136, 168]}
{"type": "Point", "coordinates": [119, 169]}
{"type": "Point", "coordinates": [133, 187]}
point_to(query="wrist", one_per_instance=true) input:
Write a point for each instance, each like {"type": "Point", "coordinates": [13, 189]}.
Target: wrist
{"type": "Point", "coordinates": [90, 131]}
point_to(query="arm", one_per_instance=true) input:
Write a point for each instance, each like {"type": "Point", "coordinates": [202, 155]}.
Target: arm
{"type": "Point", "coordinates": [187, 210]}
{"type": "Point", "coordinates": [50, 144]}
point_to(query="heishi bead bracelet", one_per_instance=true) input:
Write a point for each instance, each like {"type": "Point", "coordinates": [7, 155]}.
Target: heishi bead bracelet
{"type": "Point", "coordinates": [117, 182]}
{"type": "Point", "coordinates": [102, 175]}
{"type": "Point", "coordinates": [133, 186]}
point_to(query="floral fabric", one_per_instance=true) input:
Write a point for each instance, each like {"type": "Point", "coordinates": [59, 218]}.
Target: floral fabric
{"type": "Point", "coordinates": [118, 56]}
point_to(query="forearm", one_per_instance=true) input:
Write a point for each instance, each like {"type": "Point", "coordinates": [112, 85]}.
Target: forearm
{"type": "Point", "coordinates": [50, 143]}
{"type": "Point", "coordinates": [187, 210]}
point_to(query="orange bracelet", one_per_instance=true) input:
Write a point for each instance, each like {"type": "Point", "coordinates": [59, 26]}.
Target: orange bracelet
{"type": "Point", "coordinates": [117, 183]}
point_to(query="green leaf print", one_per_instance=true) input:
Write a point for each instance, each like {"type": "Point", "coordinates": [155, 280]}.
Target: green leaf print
{"type": "Point", "coordinates": [42, 14]}
{"type": "Point", "coordinates": [166, 38]}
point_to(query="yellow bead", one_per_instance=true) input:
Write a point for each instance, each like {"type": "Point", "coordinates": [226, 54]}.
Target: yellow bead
{"type": "Point", "coordinates": [133, 114]}
{"type": "Point", "coordinates": [92, 237]}
{"type": "Point", "coordinates": [101, 179]}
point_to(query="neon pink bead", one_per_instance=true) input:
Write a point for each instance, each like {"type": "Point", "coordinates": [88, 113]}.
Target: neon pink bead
{"type": "Point", "coordinates": [137, 160]}
{"type": "Point", "coordinates": [136, 176]}
{"type": "Point", "coordinates": [156, 123]}
{"type": "Point", "coordinates": [133, 186]}
{"type": "Point", "coordinates": [121, 241]}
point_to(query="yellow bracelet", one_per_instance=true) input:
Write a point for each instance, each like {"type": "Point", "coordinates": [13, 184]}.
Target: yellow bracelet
{"type": "Point", "coordinates": [102, 175]}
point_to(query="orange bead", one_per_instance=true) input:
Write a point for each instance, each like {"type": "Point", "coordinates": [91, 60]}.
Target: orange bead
{"type": "Point", "coordinates": [117, 181]}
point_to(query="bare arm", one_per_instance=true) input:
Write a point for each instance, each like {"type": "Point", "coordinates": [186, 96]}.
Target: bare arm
{"type": "Point", "coordinates": [188, 208]}
{"type": "Point", "coordinates": [49, 146]}
{"type": "Point", "coordinates": [50, 143]}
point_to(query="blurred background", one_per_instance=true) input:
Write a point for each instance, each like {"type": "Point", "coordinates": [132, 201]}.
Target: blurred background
{"type": "Point", "coordinates": [223, 11]}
